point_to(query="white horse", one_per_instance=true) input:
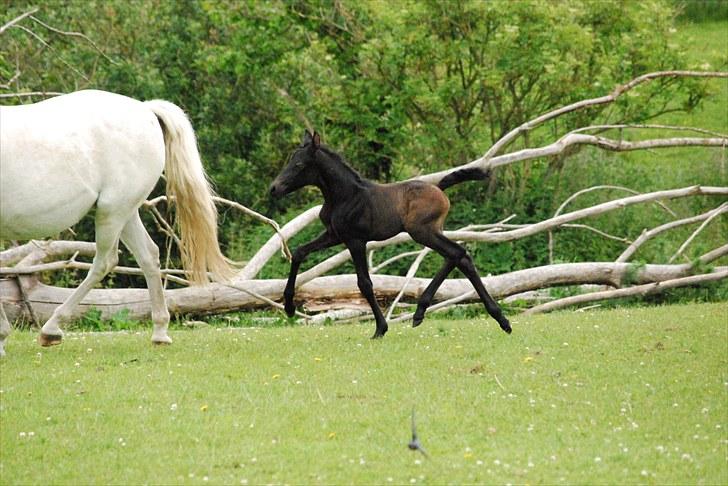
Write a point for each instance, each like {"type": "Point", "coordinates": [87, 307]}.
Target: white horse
{"type": "Point", "coordinates": [61, 157]}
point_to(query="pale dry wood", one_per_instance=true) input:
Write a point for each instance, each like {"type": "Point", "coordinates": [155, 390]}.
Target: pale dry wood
{"type": "Point", "coordinates": [683, 270]}
{"type": "Point", "coordinates": [217, 298]}
{"type": "Point", "coordinates": [650, 126]}
{"type": "Point", "coordinates": [641, 290]}
{"type": "Point", "coordinates": [389, 261]}
{"type": "Point", "coordinates": [271, 247]}
{"type": "Point", "coordinates": [575, 139]}
{"type": "Point", "coordinates": [585, 191]}
{"type": "Point", "coordinates": [17, 19]}
{"type": "Point", "coordinates": [73, 34]}
{"type": "Point", "coordinates": [47, 45]}
{"type": "Point", "coordinates": [649, 234]}
{"type": "Point", "coordinates": [411, 272]}
{"type": "Point", "coordinates": [618, 91]}
{"type": "Point", "coordinates": [717, 212]}
{"type": "Point", "coordinates": [30, 93]}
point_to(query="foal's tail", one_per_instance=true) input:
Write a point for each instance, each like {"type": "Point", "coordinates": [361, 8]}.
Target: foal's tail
{"type": "Point", "coordinates": [462, 175]}
{"type": "Point", "coordinates": [187, 183]}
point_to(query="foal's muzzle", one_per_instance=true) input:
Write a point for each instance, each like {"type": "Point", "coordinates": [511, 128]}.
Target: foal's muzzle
{"type": "Point", "coordinates": [276, 189]}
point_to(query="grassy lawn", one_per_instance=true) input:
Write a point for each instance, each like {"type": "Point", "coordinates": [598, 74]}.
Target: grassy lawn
{"type": "Point", "coordinates": [634, 395]}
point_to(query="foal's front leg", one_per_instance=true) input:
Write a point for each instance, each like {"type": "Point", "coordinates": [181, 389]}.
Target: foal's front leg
{"type": "Point", "coordinates": [324, 240]}
{"type": "Point", "coordinates": [358, 249]}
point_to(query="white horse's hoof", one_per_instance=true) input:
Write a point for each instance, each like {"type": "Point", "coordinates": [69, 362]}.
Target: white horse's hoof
{"type": "Point", "coordinates": [46, 340]}
{"type": "Point", "coordinates": [161, 340]}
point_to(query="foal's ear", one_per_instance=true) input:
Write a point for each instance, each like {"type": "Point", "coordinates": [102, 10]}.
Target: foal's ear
{"type": "Point", "coordinates": [307, 138]}
{"type": "Point", "coordinates": [316, 140]}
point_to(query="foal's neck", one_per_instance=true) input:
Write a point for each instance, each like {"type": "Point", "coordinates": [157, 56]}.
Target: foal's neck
{"type": "Point", "coordinates": [337, 180]}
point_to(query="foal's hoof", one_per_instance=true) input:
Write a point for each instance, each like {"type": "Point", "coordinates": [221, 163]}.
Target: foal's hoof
{"type": "Point", "coordinates": [506, 326]}
{"type": "Point", "coordinates": [417, 320]}
{"type": "Point", "coordinates": [379, 334]}
{"type": "Point", "coordinates": [47, 340]}
{"type": "Point", "coordinates": [290, 310]}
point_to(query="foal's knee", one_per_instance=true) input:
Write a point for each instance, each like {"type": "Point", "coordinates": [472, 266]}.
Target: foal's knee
{"type": "Point", "coordinates": [298, 256]}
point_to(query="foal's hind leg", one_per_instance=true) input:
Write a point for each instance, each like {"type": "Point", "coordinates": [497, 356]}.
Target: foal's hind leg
{"type": "Point", "coordinates": [108, 228]}
{"type": "Point", "coordinates": [146, 253]}
{"type": "Point", "coordinates": [457, 255]}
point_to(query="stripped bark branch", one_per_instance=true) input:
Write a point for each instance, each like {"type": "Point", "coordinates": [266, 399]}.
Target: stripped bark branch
{"type": "Point", "coordinates": [647, 235]}
{"type": "Point", "coordinates": [18, 19]}
{"type": "Point", "coordinates": [611, 97]}
{"type": "Point", "coordinates": [641, 290]}
{"type": "Point", "coordinates": [717, 212]}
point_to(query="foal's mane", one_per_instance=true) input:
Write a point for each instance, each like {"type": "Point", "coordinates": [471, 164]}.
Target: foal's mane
{"type": "Point", "coordinates": [335, 157]}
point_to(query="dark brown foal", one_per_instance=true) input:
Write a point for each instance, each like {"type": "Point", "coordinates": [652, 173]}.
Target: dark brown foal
{"type": "Point", "coordinates": [356, 211]}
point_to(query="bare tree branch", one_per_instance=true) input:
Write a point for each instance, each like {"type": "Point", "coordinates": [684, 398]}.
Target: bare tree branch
{"type": "Point", "coordinates": [584, 191]}
{"type": "Point", "coordinates": [676, 128]}
{"type": "Point", "coordinates": [642, 290]}
{"type": "Point", "coordinates": [717, 212]}
{"type": "Point", "coordinates": [616, 93]}
{"type": "Point", "coordinates": [18, 19]}
{"type": "Point", "coordinates": [73, 34]}
{"type": "Point", "coordinates": [30, 93]}
{"type": "Point", "coordinates": [270, 248]}
{"type": "Point", "coordinates": [46, 44]}
{"type": "Point", "coordinates": [647, 235]}
{"type": "Point", "coordinates": [572, 139]}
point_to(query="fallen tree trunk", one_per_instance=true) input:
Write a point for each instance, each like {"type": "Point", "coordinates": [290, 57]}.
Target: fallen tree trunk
{"type": "Point", "coordinates": [216, 298]}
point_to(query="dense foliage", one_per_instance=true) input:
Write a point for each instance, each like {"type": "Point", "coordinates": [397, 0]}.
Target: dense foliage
{"type": "Point", "coordinates": [400, 88]}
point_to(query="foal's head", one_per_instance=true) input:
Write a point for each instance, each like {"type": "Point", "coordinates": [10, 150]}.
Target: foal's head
{"type": "Point", "coordinates": [301, 170]}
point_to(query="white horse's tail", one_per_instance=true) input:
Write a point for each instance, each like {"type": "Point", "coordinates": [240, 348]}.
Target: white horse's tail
{"type": "Point", "coordinates": [187, 183]}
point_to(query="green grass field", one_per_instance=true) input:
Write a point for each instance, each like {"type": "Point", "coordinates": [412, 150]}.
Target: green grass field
{"type": "Point", "coordinates": [634, 395]}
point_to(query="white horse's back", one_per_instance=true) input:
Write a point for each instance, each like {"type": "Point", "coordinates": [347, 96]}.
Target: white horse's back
{"type": "Point", "coordinates": [61, 156]}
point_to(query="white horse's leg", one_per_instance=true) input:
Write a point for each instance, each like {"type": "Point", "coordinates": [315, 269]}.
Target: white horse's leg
{"type": "Point", "coordinates": [4, 329]}
{"type": "Point", "coordinates": [146, 253]}
{"type": "Point", "coordinates": [108, 229]}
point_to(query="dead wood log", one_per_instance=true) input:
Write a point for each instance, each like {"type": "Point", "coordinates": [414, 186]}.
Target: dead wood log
{"type": "Point", "coordinates": [217, 298]}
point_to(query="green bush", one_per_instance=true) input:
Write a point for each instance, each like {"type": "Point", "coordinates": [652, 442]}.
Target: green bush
{"type": "Point", "coordinates": [401, 89]}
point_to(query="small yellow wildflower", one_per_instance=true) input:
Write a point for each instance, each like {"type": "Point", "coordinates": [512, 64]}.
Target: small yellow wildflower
{"type": "Point", "coordinates": [332, 435]}
{"type": "Point", "coordinates": [203, 408]}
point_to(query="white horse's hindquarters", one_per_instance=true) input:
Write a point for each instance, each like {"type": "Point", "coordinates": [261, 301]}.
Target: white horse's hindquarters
{"type": "Point", "coordinates": [61, 156]}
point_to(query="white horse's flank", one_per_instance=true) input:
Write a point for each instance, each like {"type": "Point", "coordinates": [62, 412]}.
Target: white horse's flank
{"type": "Point", "coordinates": [61, 157]}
